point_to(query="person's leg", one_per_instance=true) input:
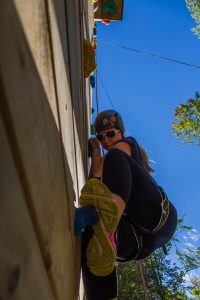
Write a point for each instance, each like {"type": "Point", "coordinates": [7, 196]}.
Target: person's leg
{"type": "Point", "coordinates": [117, 177]}
{"type": "Point", "coordinates": [154, 240]}
{"type": "Point", "coordinates": [120, 204]}
{"type": "Point", "coordinates": [100, 254]}
{"type": "Point", "coordinates": [145, 205]}
{"type": "Point", "coordinates": [124, 177]}
{"type": "Point", "coordinates": [96, 287]}
{"type": "Point", "coordinates": [164, 235]}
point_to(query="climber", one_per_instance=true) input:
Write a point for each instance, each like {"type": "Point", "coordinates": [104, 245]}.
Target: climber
{"type": "Point", "coordinates": [125, 214]}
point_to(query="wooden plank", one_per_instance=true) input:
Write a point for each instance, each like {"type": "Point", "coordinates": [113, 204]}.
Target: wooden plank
{"type": "Point", "coordinates": [57, 22]}
{"type": "Point", "coordinates": [79, 26]}
{"type": "Point", "coordinates": [70, 140]}
{"type": "Point", "coordinates": [67, 35]}
{"type": "Point", "coordinates": [22, 271]}
{"type": "Point", "coordinates": [79, 86]}
{"type": "Point", "coordinates": [33, 17]}
{"type": "Point", "coordinates": [88, 19]}
{"type": "Point", "coordinates": [37, 145]}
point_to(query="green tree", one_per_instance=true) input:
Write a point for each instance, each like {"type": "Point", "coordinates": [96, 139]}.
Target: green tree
{"type": "Point", "coordinates": [165, 278]}
{"type": "Point", "coordinates": [129, 281]}
{"type": "Point", "coordinates": [195, 288]}
{"type": "Point", "coordinates": [194, 8]}
{"type": "Point", "coordinates": [188, 124]}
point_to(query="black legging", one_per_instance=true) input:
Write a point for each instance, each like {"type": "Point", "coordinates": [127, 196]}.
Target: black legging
{"type": "Point", "coordinates": [128, 179]}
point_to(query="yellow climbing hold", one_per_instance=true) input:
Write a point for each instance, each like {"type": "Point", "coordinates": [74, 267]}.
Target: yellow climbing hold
{"type": "Point", "coordinates": [89, 58]}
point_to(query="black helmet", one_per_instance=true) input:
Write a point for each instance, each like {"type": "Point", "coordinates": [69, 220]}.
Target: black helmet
{"type": "Point", "coordinates": [108, 119]}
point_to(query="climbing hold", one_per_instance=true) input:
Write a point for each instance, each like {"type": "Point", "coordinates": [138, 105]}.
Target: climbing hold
{"type": "Point", "coordinates": [89, 58]}
{"type": "Point", "coordinates": [94, 31]}
{"type": "Point", "coordinates": [105, 22]}
{"type": "Point", "coordinates": [86, 215]}
{"type": "Point", "coordinates": [89, 149]}
{"type": "Point", "coordinates": [92, 81]}
{"type": "Point", "coordinates": [95, 43]}
{"type": "Point", "coordinates": [92, 131]}
{"type": "Point", "coordinates": [110, 6]}
{"type": "Point", "coordinates": [96, 7]}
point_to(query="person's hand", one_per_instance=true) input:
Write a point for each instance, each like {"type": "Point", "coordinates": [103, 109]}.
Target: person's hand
{"type": "Point", "coordinates": [95, 144]}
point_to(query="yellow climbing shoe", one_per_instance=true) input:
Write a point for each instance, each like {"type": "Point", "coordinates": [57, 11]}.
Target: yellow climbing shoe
{"type": "Point", "coordinates": [101, 255]}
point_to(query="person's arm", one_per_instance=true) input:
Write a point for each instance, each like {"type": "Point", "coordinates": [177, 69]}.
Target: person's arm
{"type": "Point", "coordinates": [97, 160]}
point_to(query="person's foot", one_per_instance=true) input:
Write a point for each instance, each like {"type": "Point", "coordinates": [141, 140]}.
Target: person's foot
{"type": "Point", "coordinates": [101, 252]}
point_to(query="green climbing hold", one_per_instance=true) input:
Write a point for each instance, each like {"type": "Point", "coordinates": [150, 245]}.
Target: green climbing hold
{"type": "Point", "coordinates": [92, 131]}
{"type": "Point", "coordinates": [110, 6]}
{"type": "Point", "coordinates": [92, 110]}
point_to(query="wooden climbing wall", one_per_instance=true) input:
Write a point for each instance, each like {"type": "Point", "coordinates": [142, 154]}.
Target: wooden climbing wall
{"type": "Point", "coordinates": [44, 125]}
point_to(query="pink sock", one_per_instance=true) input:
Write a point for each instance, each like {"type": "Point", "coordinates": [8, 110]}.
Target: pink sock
{"type": "Point", "coordinates": [112, 240]}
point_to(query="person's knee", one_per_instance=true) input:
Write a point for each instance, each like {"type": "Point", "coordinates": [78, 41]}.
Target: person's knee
{"type": "Point", "coordinates": [116, 155]}
{"type": "Point", "coordinates": [117, 161]}
{"type": "Point", "coordinates": [117, 174]}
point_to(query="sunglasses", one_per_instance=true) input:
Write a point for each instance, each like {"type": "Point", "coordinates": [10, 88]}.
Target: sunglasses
{"type": "Point", "coordinates": [109, 134]}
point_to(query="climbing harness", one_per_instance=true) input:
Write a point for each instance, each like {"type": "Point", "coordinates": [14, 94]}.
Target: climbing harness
{"type": "Point", "coordinates": [164, 213]}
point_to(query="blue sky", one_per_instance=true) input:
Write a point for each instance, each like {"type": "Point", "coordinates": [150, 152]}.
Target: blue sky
{"type": "Point", "coordinates": [146, 90]}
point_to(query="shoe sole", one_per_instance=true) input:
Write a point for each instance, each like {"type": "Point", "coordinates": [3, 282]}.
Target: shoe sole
{"type": "Point", "coordinates": [101, 256]}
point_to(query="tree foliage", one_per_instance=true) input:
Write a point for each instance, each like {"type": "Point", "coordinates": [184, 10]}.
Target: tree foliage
{"type": "Point", "coordinates": [163, 279]}
{"type": "Point", "coordinates": [195, 289]}
{"type": "Point", "coordinates": [160, 278]}
{"type": "Point", "coordinates": [194, 8]}
{"type": "Point", "coordinates": [129, 281]}
{"type": "Point", "coordinates": [188, 124]}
